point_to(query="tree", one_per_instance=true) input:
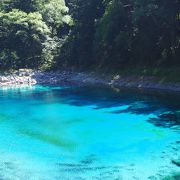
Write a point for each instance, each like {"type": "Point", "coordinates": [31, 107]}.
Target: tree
{"type": "Point", "coordinates": [26, 6]}
{"type": "Point", "coordinates": [55, 14]}
{"type": "Point", "coordinates": [24, 34]}
{"type": "Point", "coordinates": [78, 48]}
{"type": "Point", "coordinates": [113, 36]}
{"type": "Point", "coordinates": [138, 32]}
{"type": "Point", "coordinates": [30, 29]}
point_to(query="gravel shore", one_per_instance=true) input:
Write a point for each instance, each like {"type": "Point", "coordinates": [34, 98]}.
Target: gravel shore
{"type": "Point", "coordinates": [110, 80]}
{"type": "Point", "coordinates": [58, 77]}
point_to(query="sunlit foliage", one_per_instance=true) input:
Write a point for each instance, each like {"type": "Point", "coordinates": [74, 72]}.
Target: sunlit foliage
{"type": "Point", "coordinates": [28, 32]}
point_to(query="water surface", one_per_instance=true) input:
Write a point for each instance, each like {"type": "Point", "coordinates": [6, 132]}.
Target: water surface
{"type": "Point", "coordinates": [73, 132]}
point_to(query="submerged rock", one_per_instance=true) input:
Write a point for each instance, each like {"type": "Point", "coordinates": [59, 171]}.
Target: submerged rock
{"type": "Point", "coordinates": [175, 176]}
{"type": "Point", "coordinates": [176, 162]}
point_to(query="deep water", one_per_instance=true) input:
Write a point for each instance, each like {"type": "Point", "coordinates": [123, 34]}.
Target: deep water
{"type": "Point", "coordinates": [76, 133]}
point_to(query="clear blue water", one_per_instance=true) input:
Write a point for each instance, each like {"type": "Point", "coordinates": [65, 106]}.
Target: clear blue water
{"type": "Point", "coordinates": [72, 132]}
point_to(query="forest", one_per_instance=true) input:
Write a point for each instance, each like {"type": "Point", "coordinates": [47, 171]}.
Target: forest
{"type": "Point", "coordinates": [89, 34]}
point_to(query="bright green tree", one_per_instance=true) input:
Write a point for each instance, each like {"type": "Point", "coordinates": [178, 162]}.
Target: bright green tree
{"type": "Point", "coordinates": [29, 29]}
{"type": "Point", "coordinates": [25, 34]}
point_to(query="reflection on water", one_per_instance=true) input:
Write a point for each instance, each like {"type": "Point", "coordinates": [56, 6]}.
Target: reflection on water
{"type": "Point", "coordinates": [75, 132]}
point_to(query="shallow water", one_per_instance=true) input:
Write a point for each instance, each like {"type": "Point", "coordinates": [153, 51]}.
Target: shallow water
{"type": "Point", "coordinates": [72, 132]}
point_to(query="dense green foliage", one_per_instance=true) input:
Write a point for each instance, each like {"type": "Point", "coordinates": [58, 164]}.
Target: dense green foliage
{"type": "Point", "coordinates": [105, 33]}
{"type": "Point", "coordinates": [78, 49]}
{"type": "Point", "coordinates": [29, 32]}
{"type": "Point", "coordinates": [121, 33]}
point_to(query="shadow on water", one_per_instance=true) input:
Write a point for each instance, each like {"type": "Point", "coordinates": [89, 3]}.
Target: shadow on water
{"type": "Point", "coordinates": [167, 120]}
{"type": "Point", "coordinates": [101, 97]}
{"type": "Point", "coordinates": [164, 105]}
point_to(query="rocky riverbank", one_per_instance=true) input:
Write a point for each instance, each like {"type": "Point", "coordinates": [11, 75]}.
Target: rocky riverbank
{"type": "Point", "coordinates": [21, 77]}
{"type": "Point", "coordinates": [30, 77]}
{"type": "Point", "coordinates": [107, 80]}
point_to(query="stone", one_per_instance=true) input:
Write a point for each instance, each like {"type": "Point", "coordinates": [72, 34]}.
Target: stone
{"type": "Point", "coordinates": [3, 79]}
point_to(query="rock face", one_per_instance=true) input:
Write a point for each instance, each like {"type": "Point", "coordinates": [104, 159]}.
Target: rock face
{"type": "Point", "coordinates": [23, 76]}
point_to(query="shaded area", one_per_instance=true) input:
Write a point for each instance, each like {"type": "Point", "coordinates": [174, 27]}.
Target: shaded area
{"type": "Point", "coordinates": [167, 120]}
{"type": "Point", "coordinates": [164, 105]}
{"type": "Point", "coordinates": [175, 176]}
{"type": "Point", "coordinates": [105, 97]}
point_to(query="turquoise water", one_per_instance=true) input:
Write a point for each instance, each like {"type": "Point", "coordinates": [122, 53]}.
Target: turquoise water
{"type": "Point", "coordinates": [72, 132]}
